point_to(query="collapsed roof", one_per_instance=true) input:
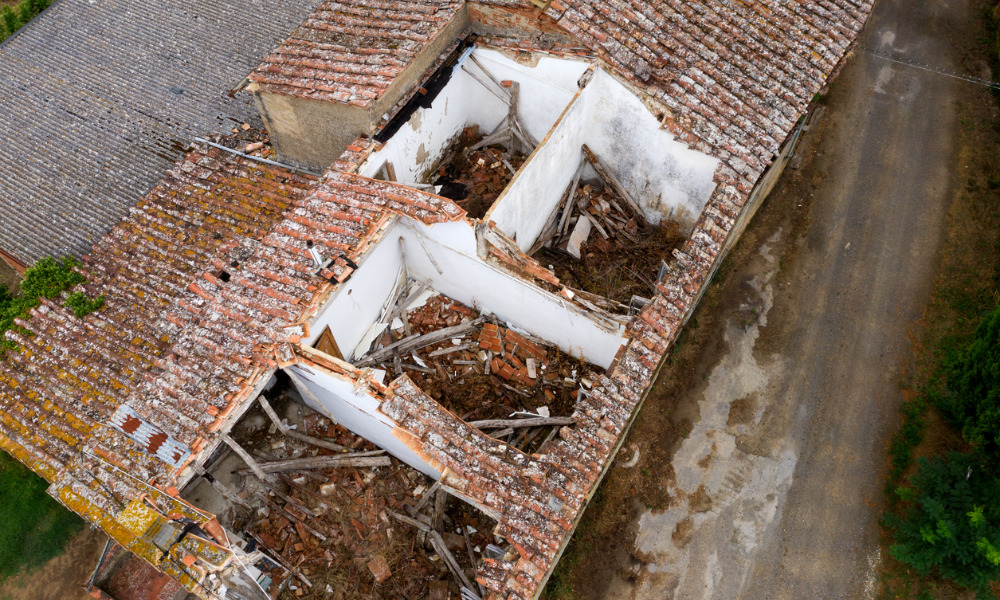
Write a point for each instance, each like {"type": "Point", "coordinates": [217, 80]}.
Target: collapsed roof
{"type": "Point", "coordinates": [230, 269]}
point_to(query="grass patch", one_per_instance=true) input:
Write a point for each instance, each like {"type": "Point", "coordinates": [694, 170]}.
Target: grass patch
{"type": "Point", "coordinates": [33, 526]}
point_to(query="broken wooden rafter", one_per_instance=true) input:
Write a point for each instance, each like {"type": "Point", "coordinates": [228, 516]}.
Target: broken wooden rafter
{"type": "Point", "coordinates": [295, 435]}
{"type": "Point", "coordinates": [415, 342]}
{"type": "Point", "coordinates": [355, 459]}
{"type": "Point", "coordinates": [609, 178]}
{"type": "Point", "coordinates": [250, 462]}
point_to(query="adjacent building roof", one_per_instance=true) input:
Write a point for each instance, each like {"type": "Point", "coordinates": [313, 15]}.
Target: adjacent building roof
{"type": "Point", "coordinates": [351, 51]}
{"type": "Point", "coordinates": [100, 97]}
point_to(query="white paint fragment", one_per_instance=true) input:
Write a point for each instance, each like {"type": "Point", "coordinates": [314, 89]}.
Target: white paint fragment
{"type": "Point", "coordinates": [579, 237]}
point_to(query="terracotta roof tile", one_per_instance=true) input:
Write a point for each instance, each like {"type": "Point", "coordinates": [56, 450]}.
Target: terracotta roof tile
{"type": "Point", "coordinates": [736, 76]}
{"type": "Point", "coordinates": [350, 52]}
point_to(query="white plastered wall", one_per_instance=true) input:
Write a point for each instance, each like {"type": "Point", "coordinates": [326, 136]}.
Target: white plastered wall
{"type": "Point", "coordinates": [668, 179]}
{"type": "Point", "coordinates": [357, 411]}
{"type": "Point", "coordinates": [469, 280]}
{"type": "Point", "coordinates": [545, 89]}
{"type": "Point", "coordinates": [360, 301]}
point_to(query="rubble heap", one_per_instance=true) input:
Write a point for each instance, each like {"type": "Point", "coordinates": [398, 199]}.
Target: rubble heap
{"type": "Point", "coordinates": [334, 530]}
{"type": "Point", "coordinates": [618, 256]}
{"type": "Point", "coordinates": [489, 371]}
{"type": "Point", "coordinates": [474, 176]}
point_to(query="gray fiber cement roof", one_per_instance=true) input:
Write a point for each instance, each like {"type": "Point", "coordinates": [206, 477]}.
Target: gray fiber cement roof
{"type": "Point", "coordinates": [99, 97]}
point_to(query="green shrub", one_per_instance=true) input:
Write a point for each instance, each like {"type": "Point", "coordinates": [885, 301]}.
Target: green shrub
{"type": "Point", "coordinates": [11, 22]}
{"type": "Point", "coordinates": [81, 305]}
{"type": "Point", "coordinates": [973, 401]}
{"type": "Point", "coordinates": [952, 523]}
{"type": "Point", "coordinates": [25, 13]}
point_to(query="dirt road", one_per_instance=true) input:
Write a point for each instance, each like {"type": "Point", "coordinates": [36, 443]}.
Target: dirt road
{"type": "Point", "coordinates": [775, 491]}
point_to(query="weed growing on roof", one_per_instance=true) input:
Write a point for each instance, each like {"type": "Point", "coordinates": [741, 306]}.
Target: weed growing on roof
{"type": "Point", "coordinates": [81, 305]}
{"type": "Point", "coordinates": [34, 526]}
{"type": "Point", "coordinates": [47, 278]}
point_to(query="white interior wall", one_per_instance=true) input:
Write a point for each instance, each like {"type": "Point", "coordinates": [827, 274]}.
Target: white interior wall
{"type": "Point", "coordinates": [545, 89]}
{"type": "Point", "coordinates": [471, 281]}
{"type": "Point", "coordinates": [668, 179]}
{"type": "Point", "coordinates": [359, 302]}
{"type": "Point", "coordinates": [356, 411]}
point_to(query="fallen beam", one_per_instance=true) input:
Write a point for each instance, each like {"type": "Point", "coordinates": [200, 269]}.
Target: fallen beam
{"type": "Point", "coordinates": [610, 179]}
{"type": "Point", "coordinates": [295, 435]}
{"type": "Point", "coordinates": [254, 467]}
{"type": "Point", "coordinates": [415, 342]}
{"type": "Point", "coordinates": [357, 459]}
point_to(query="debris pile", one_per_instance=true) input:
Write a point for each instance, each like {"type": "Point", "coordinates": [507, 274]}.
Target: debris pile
{"type": "Point", "coordinates": [485, 372]}
{"type": "Point", "coordinates": [599, 241]}
{"type": "Point", "coordinates": [474, 175]}
{"type": "Point", "coordinates": [332, 528]}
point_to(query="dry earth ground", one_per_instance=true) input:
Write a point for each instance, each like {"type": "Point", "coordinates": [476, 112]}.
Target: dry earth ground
{"type": "Point", "coordinates": [61, 578]}
{"type": "Point", "coordinates": [8, 276]}
{"type": "Point", "coordinates": [762, 450]}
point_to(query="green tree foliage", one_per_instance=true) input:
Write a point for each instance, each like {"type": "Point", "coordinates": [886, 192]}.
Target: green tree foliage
{"type": "Point", "coordinates": [952, 522]}
{"type": "Point", "coordinates": [19, 16]}
{"type": "Point", "coordinates": [973, 401]}
{"type": "Point", "coordinates": [25, 12]}
{"type": "Point", "coordinates": [47, 278]}
{"type": "Point", "coordinates": [11, 22]}
{"type": "Point", "coordinates": [35, 527]}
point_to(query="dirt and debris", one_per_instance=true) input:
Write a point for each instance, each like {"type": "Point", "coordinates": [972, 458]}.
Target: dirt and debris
{"type": "Point", "coordinates": [334, 527]}
{"type": "Point", "coordinates": [490, 371]}
{"type": "Point", "coordinates": [621, 256]}
{"type": "Point", "coordinates": [475, 177]}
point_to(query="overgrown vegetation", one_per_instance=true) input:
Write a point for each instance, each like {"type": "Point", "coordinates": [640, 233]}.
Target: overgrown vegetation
{"type": "Point", "coordinates": [47, 278]}
{"type": "Point", "coordinates": [972, 401]}
{"type": "Point", "coordinates": [33, 527]}
{"type": "Point", "coordinates": [952, 521]}
{"type": "Point", "coordinates": [17, 16]}
{"type": "Point", "coordinates": [942, 490]}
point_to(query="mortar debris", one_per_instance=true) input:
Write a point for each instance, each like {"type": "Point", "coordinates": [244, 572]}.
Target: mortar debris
{"type": "Point", "coordinates": [491, 371]}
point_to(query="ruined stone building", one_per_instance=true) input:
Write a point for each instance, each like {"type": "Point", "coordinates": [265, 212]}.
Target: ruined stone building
{"type": "Point", "coordinates": [411, 263]}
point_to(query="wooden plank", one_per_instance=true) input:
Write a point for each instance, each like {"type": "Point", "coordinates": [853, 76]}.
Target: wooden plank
{"type": "Point", "coordinates": [518, 423]}
{"type": "Point", "coordinates": [356, 459]}
{"type": "Point", "coordinates": [245, 456]}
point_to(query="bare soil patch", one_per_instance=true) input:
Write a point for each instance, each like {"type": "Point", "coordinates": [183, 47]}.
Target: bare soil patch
{"type": "Point", "coordinates": [63, 577]}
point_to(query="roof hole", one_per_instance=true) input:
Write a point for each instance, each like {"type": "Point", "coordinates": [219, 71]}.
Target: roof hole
{"type": "Point", "coordinates": [224, 276]}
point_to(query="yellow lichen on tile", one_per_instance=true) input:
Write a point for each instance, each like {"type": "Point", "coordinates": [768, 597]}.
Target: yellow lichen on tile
{"type": "Point", "coordinates": [137, 517]}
